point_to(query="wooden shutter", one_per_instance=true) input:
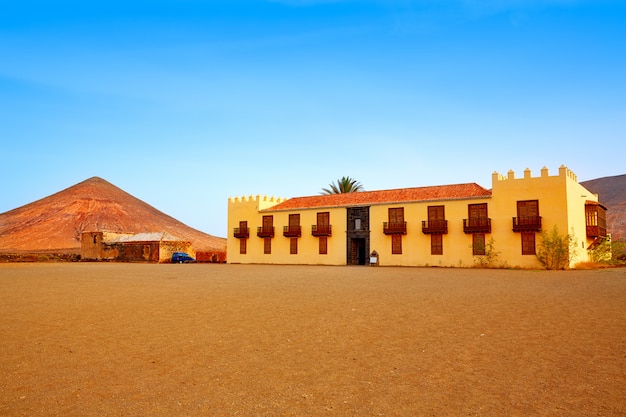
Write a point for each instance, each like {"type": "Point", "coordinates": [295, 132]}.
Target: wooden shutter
{"type": "Point", "coordinates": [323, 220]}
{"type": "Point", "coordinates": [396, 215]}
{"type": "Point", "coordinates": [396, 244]}
{"type": "Point", "coordinates": [528, 208]}
{"type": "Point", "coordinates": [436, 213]}
{"type": "Point", "coordinates": [267, 245]}
{"type": "Point", "coordinates": [436, 244]}
{"type": "Point", "coordinates": [528, 243]}
{"type": "Point", "coordinates": [477, 211]}
{"type": "Point", "coordinates": [323, 245]}
{"type": "Point", "coordinates": [294, 221]}
{"type": "Point", "coordinates": [293, 246]}
{"type": "Point", "coordinates": [478, 244]}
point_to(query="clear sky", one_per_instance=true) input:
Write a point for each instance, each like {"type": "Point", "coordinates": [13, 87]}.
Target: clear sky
{"type": "Point", "coordinates": [186, 103]}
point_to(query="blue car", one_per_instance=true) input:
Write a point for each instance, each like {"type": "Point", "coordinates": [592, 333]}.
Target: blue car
{"type": "Point", "coordinates": [181, 258]}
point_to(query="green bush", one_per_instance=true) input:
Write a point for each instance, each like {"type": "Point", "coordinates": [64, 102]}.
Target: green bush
{"type": "Point", "coordinates": [556, 251]}
{"type": "Point", "coordinates": [618, 251]}
{"type": "Point", "coordinates": [490, 258]}
{"type": "Point", "coordinates": [601, 253]}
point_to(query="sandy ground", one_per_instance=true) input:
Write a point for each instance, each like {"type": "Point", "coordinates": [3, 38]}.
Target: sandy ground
{"type": "Point", "coordinates": [79, 339]}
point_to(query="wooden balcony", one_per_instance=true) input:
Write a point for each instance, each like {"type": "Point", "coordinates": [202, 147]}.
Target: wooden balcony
{"type": "Point", "coordinates": [321, 230]}
{"type": "Point", "coordinates": [398, 228]}
{"type": "Point", "coordinates": [477, 225]}
{"type": "Point", "coordinates": [527, 224]}
{"type": "Point", "coordinates": [265, 231]}
{"type": "Point", "coordinates": [595, 214]}
{"type": "Point", "coordinates": [242, 232]}
{"type": "Point", "coordinates": [434, 227]}
{"type": "Point", "coordinates": [596, 231]}
{"type": "Point", "coordinates": [292, 231]}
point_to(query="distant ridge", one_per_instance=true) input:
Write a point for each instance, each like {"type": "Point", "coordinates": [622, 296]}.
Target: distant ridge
{"type": "Point", "coordinates": [612, 193]}
{"type": "Point", "coordinates": [55, 223]}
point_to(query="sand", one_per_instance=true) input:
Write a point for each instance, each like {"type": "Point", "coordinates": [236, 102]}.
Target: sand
{"type": "Point", "coordinates": [104, 339]}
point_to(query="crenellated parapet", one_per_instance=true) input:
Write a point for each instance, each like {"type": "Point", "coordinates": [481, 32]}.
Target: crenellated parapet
{"type": "Point", "coordinates": [258, 201]}
{"type": "Point", "coordinates": [566, 172]}
{"type": "Point", "coordinates": [257, 198]}
{"type": "Point", "coordinates": [563, 172]}
{"type": "Point", "coordinates": [496, 176]}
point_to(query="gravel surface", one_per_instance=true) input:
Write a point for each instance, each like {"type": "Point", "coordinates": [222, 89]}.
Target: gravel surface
{"type": "Point", "coordinates": [106, 339]}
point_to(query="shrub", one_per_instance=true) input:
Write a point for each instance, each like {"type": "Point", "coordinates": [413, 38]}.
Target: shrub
{"type": "Point", "coordinates": [609, 251]}
{"type": "Point", "coordinates": [556, 251]}
{"type": "Point", "coordinates": [601, 252]}
{"type": "Point", "coordinates": [618, 250]}
{"type": "Point", "coordinates": [490, 258]}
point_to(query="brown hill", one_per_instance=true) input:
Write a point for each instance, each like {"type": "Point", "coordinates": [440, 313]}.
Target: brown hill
{"type": "Point", "coordinates": [612, 193]}
{"type": "Point", "coordinates": [55, 223]}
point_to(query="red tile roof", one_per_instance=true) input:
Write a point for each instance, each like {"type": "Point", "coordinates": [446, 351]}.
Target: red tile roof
{"type": "Point", "coordinates": [400, 195]}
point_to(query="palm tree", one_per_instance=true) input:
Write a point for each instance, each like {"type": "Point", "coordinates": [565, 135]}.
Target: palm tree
{"type": "Point", "coordinates": [344, 185]}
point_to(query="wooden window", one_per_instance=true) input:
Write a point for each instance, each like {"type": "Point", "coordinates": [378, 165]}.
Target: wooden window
{"type": "Point", "coordinates": [436, 213]}
{"type": "Point", "coordinates": [437, 219]}
{"type": "Point", "coordinates": [293, 229]}
{"type": "Point", "coordinates": [396, 244]}
{"type": "Point", "coordinates": [242, 232]}
{"type": "Point", "coordinates": [477, 211]}
{"type": "Point", "coordinates": [267, 245]}
{"type": "Point", "coordinates": [323, 245]}
{"type": "Point", "coordinates": [528, 212]}
{"type": "Point", "coordinates": [294, 223]}
{"type": "Point", "coordinates": [396, 215]}
{"type": "Point", "coordinates": [395, 222]}
{"type": "Point", "coordinates": [528, 219]}
{"type": "Point", "coordinates": [323, 219]}
{"type": "Point", "coordinates": [322, 227]}
{"type": "Point", "coordinates": [293, 246]}
{"type": "Point", "coordinates": [528, 243]}
{"type": "Point", "coordinates": [595, 215]}
{"type": "Point", "coordinates": [478, 244]}
{"type": "Point", "coordinates": [528, 208]}
{"type": "Point", "coordinates": [267, 227]}
{"type": "Point", "coordinates": [436, 244]}
{"type": "Point", "coordinates": [243, 246]}
{"type": "Point", "coordinates": [478, 220]}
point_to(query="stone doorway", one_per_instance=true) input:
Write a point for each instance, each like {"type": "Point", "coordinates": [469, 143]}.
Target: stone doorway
{"type": "Point", "coordinates": [358, 236]}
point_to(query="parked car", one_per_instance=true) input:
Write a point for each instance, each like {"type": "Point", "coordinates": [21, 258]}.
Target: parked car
{"type": "Point", "coordinates": [181, 258]}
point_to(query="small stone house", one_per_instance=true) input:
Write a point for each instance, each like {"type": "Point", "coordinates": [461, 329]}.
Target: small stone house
{"type": "Point", "coordinates": [131, 247]}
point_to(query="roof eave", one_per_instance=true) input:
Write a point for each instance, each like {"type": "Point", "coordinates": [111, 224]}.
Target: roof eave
{"type": "Point", "coordinates": [384, 203]}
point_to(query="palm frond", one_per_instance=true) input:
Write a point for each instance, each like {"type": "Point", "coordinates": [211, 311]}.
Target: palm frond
{"type": "Point", "coordinates": [343, 185]}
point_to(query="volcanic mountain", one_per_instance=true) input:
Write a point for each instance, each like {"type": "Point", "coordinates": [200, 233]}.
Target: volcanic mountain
{"type": "Point", "coordinates": [56, 222]}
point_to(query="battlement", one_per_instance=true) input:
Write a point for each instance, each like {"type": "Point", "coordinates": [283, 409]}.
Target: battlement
{"type": "Point", "coordinates": [563, 172]}
{"type": "Point", "coordinates": [256, 199]}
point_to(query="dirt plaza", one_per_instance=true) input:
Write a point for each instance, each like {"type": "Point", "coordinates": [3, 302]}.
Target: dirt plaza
{"type": "Point", "coordinates": [113, 339]}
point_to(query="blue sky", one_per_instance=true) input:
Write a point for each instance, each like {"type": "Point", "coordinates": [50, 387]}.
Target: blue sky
{"type": "Point", "coordinates": [184, 104]}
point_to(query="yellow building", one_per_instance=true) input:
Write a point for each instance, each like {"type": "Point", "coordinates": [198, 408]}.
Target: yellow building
{"type": "Point", "coordinates": [447, 225]}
